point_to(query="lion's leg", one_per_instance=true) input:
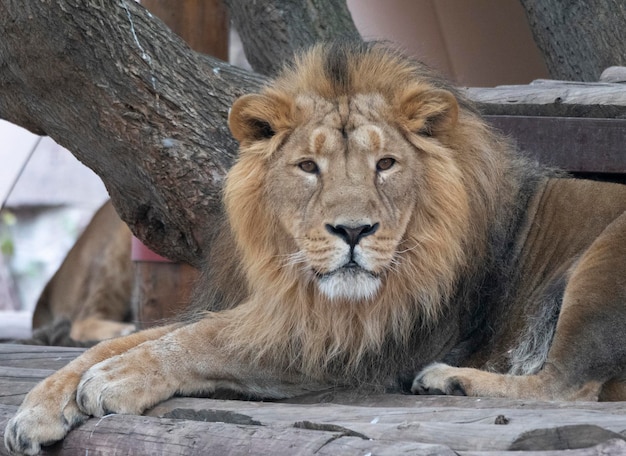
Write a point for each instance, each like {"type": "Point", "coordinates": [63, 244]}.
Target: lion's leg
{"type": "Point", "coordinates": [49, 411]}
{"type": "Point", "coordinates": [94, 328]}
{"type": "Point", "coordinates": [189, 360]}
{"type": "Point", "coordinates": [587, 351]}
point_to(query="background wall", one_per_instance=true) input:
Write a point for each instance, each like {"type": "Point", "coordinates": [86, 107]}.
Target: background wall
{"type": "Point", "coordinates": [479, 43]}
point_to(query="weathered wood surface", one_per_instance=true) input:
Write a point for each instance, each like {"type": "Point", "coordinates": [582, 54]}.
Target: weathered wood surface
{"type": "Point", "coordinates": [553, 98]}
{"type": "Point", "coordinates": [332, 422]}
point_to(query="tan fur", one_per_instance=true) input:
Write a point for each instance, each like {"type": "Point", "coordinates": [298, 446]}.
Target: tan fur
{"type": "Point", "coordinates": [375, 226]}
{"type": "Point", "coordinates": [92, 287]}
{"type": "Point", "coordinates": [438, 223]}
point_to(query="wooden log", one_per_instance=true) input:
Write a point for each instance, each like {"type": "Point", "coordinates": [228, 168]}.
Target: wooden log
{"type": "Point", "coordinates": [131, 435]}
{"type": "Point", "coordinates": [125, 95]}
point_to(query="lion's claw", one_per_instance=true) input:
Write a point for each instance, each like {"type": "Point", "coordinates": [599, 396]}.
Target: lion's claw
{"type": "Point", "coordinates": [34, 427]}
{"type": "Point", "coordinates": [119, 385]}
{"type": "Point", "coordinates": [99, 388]}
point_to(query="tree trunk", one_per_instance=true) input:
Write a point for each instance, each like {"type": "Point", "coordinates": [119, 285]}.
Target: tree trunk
{"type": "Point", "coordinates": [203, 24]}
{"type": "Point", "coordinates": [579, 38]}
{"type": "Point", "coordinates": [294, 25]}
{"type": "Point", "coordinates": [129, 99]}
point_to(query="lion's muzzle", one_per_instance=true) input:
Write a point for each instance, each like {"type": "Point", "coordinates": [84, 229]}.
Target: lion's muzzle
{"type": "Point", "coordinates": [352, 234]}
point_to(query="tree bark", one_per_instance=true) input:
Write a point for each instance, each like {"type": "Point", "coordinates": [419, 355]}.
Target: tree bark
{"type": "Point", "coordinates": [579, 38]}
{"type": "Point", "coordinates": [294, 25]}
{"type": "Point", "coordinates": [111, 83]}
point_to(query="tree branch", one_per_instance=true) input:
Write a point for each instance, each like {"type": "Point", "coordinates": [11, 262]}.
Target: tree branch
{"type": "Point", "coordinates": [111, 83]}
{"type": "Point", "coordinates": [579, 39]}
{"type": "Point", "coordinates": [272, 31]}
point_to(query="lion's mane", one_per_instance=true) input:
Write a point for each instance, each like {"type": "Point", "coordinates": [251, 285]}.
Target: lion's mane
{"type": "Point", "coordinates": [472, 199]}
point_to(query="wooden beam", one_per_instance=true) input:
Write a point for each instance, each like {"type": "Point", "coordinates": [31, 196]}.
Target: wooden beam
{"type": "Point", "coordinates": [552, 98]}
{"type": "Point", "coordinates": [571, 144]}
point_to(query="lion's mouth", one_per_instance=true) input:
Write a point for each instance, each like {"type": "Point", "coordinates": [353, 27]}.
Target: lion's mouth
{"type": "Point", "coordinates": [350, 281]}
{"type": "Point", "coordinates": [351, 267]}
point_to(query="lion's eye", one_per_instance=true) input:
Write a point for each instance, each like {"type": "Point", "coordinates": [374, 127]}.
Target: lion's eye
{"type": "Point", "coordinates": [309, 166]}
{"type": "Point", "coordinates": [385, 163]}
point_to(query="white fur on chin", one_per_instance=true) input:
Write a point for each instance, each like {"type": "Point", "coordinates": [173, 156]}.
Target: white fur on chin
{"type": "Point", "coordinates": [349, 284]}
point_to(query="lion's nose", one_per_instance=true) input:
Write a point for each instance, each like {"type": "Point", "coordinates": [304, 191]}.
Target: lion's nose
{"type": "Point", "coordinates": [352, 234]}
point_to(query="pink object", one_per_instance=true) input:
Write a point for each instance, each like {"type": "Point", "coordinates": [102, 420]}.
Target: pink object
{"type": "Point", "coordinates": [139, 252]}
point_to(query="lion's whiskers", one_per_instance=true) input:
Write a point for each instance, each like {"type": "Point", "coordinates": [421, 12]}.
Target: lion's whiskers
{"type": "Point", "coordinates": [294, 259]}
{"type": "Point", "coordinates": [408, 249]}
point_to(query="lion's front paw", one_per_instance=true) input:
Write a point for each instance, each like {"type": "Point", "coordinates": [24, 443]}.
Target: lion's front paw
{"type": "Point", "coordinates": [120, 385]}
{"type": "Point", "coordinates": [41, 424]}
{"type": "Point", "coordinates": [439, 378]}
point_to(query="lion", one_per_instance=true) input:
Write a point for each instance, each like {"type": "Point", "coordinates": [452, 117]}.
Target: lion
{"type": "Point", "coordinates": [379, 235]}
{"type": "Point", "coordinates": [91, 290]}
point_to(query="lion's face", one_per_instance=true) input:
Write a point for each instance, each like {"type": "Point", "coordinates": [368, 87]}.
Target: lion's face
{"type": "Point", "coordinates": [343, 185]}
{"type": "Point", "coordinates": [348, 188]}
{"type": "Point", "coordinates": [341, 181]}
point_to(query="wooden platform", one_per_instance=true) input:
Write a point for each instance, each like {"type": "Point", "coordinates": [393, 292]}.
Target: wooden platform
{"type": "Point", "coordinates": [578, 127]}
{"type": "Point", "coordinates": [331, 423]}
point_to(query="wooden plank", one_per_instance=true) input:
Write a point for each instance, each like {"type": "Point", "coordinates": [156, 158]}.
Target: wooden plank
{"type": "Point", "coordinates": [36, 356]}
{"type": "Point", "coordinates": [161, 291]}
{"type": "Point", "coordinates": [552, 98]}
{"type": "Point", "coordinates": [416, 408]}
{"type": "Point", "coordinates": [545, 91]}
{"type": "Point", "coordinates": [23, 366]}
{"type": "Point", "coordinates": [16, 382]}
{"type": "Point", "coordinates": [571, 144]}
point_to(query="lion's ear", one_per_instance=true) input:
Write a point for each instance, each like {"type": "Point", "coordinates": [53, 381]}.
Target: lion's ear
{"type": "Point", "coordinates": [428, 112]}
{"type": "Point", "coordinates": [257, 117]}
